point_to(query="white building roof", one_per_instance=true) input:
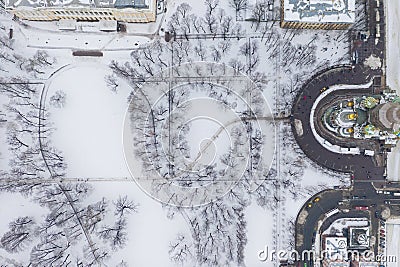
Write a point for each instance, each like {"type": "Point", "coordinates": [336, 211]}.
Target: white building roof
{"type": "Point", "coordinates": [319, 11]}
{"type": "Point", "coordinates": [336, 248]}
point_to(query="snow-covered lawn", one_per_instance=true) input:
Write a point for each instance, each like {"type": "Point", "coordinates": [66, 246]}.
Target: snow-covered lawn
{"type": "Point", "coordinates": [4, 153]}
{"type": "Point", "coordinates": [89, 127]}
{"type": "Point", "coordinates": [393, 243]}
{"type": "Point", "coordinates": [149, 230]}
{"type": "Point", "coordinates": [15, 205]}
{"type": "Point", "coordinates": [393, 72]}
{"type": "Point", "coordinates": [89, 133]}
{"type": "Point", "coordinates": [393, 43]}
{"type": "Point", "coordinates": [393, 167]}
{"type": "Point", "coordinates": [259, 234]}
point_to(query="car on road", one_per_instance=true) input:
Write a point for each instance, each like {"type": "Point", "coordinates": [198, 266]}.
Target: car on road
{"type": "Point", "coordinates": [317, 199]}
{"type": "Point", "coordinates": [361, 208]}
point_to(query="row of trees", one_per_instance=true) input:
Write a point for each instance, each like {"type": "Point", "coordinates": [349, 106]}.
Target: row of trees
{"type": "Point", "coordinates": [218, 230]}
{"type": "Point", "coordinates": [57, 239]}
{"type": "Point", "coordinates": [215, 22]}
{"type": "Point", "coordinates": [287, 54]}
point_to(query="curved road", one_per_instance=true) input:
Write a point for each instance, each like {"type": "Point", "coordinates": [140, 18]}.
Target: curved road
{"type": "Point", "coordinates": [362, 167]}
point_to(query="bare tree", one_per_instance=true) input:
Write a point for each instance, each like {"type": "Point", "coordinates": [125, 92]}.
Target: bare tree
{"type": "Point", "coordinates": [238, 5]}
{"type": "Point", "coordinates": [112, 82]}
{"type": "Point", "coordinates": [124, 206]}
{"type": "Point", "coordinates": [211, 5]}
{"type": "Point", "coordinates": [183, 9]}
{"type": "Point", "coordinates": [20, 234]}
{"type": "Point", "coordinates": [53, 250]}
{"type": "Point", "coordinates": [200, 50]}
{"type": "Point", "coordinates": [58, 99]}
{"type": "Point", "coordinates": [258, 12]}
{"type": "Point", "coordinates": [115, 234]}
{"type": "Point", "coordinates": [180, 250]}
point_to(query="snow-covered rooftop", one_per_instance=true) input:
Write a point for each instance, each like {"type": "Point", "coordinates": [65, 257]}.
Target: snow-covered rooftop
{"type": "Point", "coordinates": [138, 4]}
{"type": "Point", "coordinates": [319, 11]}
{"type": "Point", "coordinates": [336, 246]}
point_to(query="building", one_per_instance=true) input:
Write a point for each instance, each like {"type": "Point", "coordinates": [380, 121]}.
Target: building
{"type": "Point", "coordinates": [335, 248]}
{"type": "Point", "coordinates": [334, 251]}
{"type": "Point", "coordinates": [365, 117]}
{"type": "Point", "coordinates": [359, 237]}
{"type": "Point", "coordinates": [84, 10]}
{"type": "Point", "coordinates": [387, 116]}
{"type": "Point", "coordinates": [317, 14]}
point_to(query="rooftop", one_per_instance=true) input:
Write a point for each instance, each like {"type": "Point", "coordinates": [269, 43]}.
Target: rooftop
{"type": "Point", "coordinates": [359, 237]}
{"type": "Point", "coordinates": [336, 247]}
{"type": "Point", "coordinates": [319, 11]}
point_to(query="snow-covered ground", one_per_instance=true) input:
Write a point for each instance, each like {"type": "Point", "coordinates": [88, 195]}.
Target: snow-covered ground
{"type": "Point", "coordinates": [260, 235]}
{"type": "Point", "coordinates": [88, 131]}
{"type": "Point", "coordinates": [89, 126]}
{"type": "Point", "coordinates": [393, 166]}
{"type": "Point", "coordinates": [4, 152]}
{"type": "Point", "coordinates": [393, 243]}
{"type": "Point", "coordinates": [393, 73]}
{"type": "Point", "coordinates": [149, 230]}
{"type": "Point", "coordinates": [11, 210]}
{"type": "Point", "coordinates": [392, 44]}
